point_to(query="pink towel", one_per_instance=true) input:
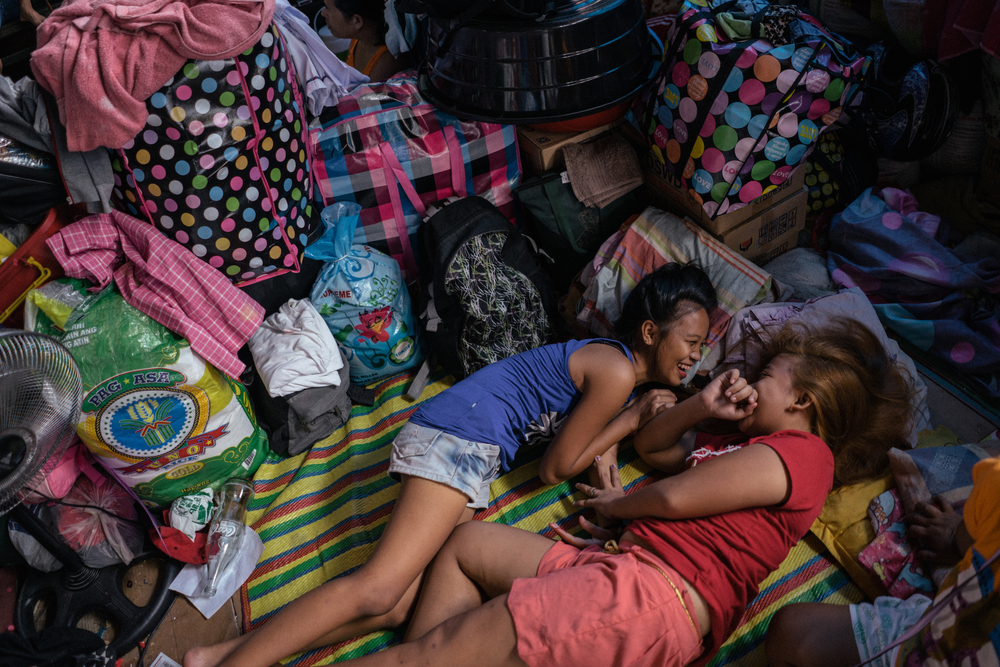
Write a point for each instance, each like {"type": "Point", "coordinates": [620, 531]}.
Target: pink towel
{"type": "Point", "coordinates": [102, 59]}
{"type": "Point", "coordinates": [162, 279]}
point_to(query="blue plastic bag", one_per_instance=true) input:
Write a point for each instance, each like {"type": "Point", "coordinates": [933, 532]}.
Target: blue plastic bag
{"type": "Point", "coordinates": [361, 295]}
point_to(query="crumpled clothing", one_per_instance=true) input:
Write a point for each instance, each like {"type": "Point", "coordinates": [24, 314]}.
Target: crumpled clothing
{"type": "Point", "coordinates": [954, 27]}
{"type": "Point", "coordinates": [164, 280]}
{"type": "Point", "coordinates": [56, 645]}
{"type": "Point", "coordinates": [24, 117]}
{"type": "Point", "coordinates": [323, 76]}
{"type": "Point", "coordinates": [294, 349]}
{"type": "Point", "coordinates": [943, 301]}
{"type": "Point", "coordinates": [102, 59]}
{"type": "Point", "coordinates": [399, 37]}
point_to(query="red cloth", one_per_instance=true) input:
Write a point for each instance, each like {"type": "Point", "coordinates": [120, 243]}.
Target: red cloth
{"type": "Point", "coordinates": [954, 27]}
{"type": "Point", "coordinates": [179, 546]}
{"type": "Point", "coordinates": [727, 555]}
{"type": "Point", "coordinates": [162, 279]}
{"type": "Point", "coordinates": [102, 59]}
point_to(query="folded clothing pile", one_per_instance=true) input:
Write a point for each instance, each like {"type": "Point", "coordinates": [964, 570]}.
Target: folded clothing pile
{"type": "Point", "coordinates": [305, 392]}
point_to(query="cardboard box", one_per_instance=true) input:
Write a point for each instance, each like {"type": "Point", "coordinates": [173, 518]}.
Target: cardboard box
{"type": "Point", "coordinates": [771, 232]}
{"type": "Point", "coordinates": [666, 192]}
{"type": "Point", "coordinates": [542, 151]}
{"type": "Point", "coordinates": [989, 173]}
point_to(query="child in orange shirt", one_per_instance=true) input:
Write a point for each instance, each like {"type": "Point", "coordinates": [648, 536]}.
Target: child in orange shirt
{"type": "Point", "coordinates": [363, 22]}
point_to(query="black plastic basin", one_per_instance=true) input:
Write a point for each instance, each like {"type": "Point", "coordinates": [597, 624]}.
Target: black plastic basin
{"type": "Point", "coordinates": [589, 55]}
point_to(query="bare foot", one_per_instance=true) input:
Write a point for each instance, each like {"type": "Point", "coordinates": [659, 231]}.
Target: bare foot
{"type": "Point", "coordinates": [29, 14]}
{"type": "Point", "coordinates": [210, 656]}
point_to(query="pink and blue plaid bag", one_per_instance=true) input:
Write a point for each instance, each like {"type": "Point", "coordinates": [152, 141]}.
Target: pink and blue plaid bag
{"type": "Point", "coordinates": [388, 149]}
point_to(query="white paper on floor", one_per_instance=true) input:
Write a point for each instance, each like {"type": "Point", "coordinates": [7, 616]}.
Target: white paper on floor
{"type": "Point", "coordinates": [163, 661]}
{"type": "Point", "coordinates": [191, 581]}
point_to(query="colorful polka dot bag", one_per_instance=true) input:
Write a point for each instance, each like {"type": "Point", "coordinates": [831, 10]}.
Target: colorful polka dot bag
{"type": "Point", "coordinates": [731, 120]}
{"type": "Point", "coordinates": [221, 166]}
{"type": "Point", "coordinates": [388, 149]}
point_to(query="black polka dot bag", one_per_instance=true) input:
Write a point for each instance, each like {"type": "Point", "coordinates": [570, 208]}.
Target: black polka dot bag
{"type": "Point", "coordinates": [745, 91]}
{"type": "Point", "coordinates": [221, 165]}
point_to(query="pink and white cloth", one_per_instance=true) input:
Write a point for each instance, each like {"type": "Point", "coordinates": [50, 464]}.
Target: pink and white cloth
{"type": "Point", "coordinates": [164, 280]}
{"type": "Point", "coordinates": [102, 59]}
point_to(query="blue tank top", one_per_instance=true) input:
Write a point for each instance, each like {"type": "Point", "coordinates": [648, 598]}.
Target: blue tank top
{"type": "Point", "coordinates": [521, 400]}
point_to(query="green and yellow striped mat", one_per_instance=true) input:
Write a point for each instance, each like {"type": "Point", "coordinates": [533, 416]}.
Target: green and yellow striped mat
{"type": "Point", "coordinates": [321, 513]}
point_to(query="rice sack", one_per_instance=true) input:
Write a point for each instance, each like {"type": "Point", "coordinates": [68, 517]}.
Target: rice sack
{"type": "Point", "coordinates": [165, 421]}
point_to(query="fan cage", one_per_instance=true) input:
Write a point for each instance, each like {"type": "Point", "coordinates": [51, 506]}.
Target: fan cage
{"type": "Point", "coordinates": [40, 394]}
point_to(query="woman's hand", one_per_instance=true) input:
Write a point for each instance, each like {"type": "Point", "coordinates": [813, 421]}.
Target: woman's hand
{"type": "Point", "coordinates": [729, 396]}
{"type": "Point", "coordinates": [643, 408]}
{"type": "Point", "coordinates": [602, 499]}
{"type": "Point", "coordinates": [935, 524]}
{"type": "Point", "coordinates": [598, 534]}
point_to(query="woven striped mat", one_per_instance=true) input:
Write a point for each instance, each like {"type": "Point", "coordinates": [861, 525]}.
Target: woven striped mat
{"type": "Point", "coordinates": [321, 513]}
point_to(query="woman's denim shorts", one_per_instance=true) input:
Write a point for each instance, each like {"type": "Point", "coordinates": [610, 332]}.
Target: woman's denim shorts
{"type": "Point", "coordinates": [441, 457]}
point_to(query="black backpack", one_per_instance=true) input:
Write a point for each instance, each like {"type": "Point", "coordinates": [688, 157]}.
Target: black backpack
{"type": "Point", "coordinates": [484, 294]}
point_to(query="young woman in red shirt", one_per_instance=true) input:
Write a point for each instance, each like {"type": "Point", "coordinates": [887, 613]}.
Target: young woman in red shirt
{"type": "Point", "coordinates": [824, 411]}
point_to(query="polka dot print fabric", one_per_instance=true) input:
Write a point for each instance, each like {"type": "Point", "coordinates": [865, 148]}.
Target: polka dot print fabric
{"type": "Point", "coordinates": [822, 172]}
{"type": "Point", "coordinates": [221, 165]}
{"type": "Point", "coordinates": [732, 120]}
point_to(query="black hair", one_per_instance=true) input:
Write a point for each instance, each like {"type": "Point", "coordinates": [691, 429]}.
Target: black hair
{"type": "Point", "coordinates": [370, 10]}
{"type": "Point", "coordinates": [664, 296]}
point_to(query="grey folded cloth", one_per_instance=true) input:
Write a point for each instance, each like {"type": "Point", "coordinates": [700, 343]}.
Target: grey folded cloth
{"type": "Point", "coordinates": [315, 413]}
{"type": "Point", "coordinates": [602, 170]}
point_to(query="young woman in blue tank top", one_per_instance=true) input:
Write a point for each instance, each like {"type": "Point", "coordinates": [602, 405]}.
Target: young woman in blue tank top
{"type": "Point", "coordinates": [574, 397]}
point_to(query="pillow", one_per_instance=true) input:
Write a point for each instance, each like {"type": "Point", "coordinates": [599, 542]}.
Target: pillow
{"type": "Point", "coordinates": [891, 556]}
{"type": "Point", "coordinates": [657, 238]}
{"type": "Point", "coordinates": [748, 329]}
{"type": "Point", "coordinates": [843, 525]}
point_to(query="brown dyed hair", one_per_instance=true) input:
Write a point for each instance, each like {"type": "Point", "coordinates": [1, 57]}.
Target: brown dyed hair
{"type": "Point", "coordinates": [862, 399]}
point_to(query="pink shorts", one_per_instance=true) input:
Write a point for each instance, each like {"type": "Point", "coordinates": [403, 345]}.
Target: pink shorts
{"type": "Point", "coordinates": [589, 607]}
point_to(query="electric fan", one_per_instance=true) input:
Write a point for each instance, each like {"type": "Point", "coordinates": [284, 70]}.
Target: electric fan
{"type": "Point", "coordinates": [40, 393]}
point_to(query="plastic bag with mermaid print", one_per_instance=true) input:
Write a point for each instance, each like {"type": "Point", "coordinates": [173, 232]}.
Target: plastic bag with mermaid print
{"type": "Point", "coordinates": [362, 297]}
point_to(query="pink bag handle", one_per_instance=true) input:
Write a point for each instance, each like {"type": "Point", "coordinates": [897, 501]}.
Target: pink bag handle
{"type": "Point", "coordinates": [394, 173]}
{"type": "Point", "coordinates": [457, 161]}
{"type": "Point", "coordinates": [389, 158]}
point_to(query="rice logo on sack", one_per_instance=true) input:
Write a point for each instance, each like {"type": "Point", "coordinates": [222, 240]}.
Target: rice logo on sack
{"type": "Point", "coordinates": [148, 417]}
{"type": "Point", "coordinates": [403, 350]}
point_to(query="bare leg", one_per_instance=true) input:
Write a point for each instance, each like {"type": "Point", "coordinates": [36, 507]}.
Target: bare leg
{"type": "Point", "coordinates": [29, 14]}
{"type": "Point", "coordinates": [482, 637]}
{"type": "Point", "coordinates": [425, 514]}
{"type": "Point", "coordinates": [480, 561]}
{"type": "Point", "coordinates": [811, 634]}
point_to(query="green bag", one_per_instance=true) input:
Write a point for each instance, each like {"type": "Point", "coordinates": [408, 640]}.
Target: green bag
{"type": "Point", "coordinates": [566, 229]}
{"type": "Point", "coordinates": [157, 414]}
